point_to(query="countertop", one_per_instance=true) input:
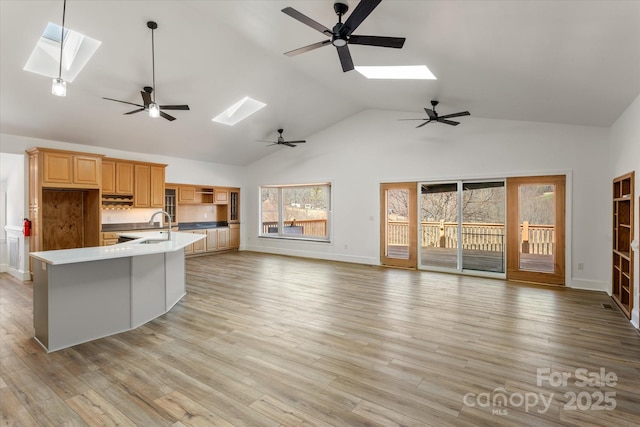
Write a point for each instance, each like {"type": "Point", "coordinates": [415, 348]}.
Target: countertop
{"type": "Point", "coordinates": [131, 226]}
{"type": "Point", "coordinates": [135, 226]}
{"type": "Point", "coordinates": [145, 243]}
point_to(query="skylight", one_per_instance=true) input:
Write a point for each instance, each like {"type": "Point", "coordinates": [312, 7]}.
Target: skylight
{"type": "Point", "coordinates": [76, 52]}
{"type": "Point", "coordinates": [239, 111]}
{"type": "Point", "coordinates": [408, 72]}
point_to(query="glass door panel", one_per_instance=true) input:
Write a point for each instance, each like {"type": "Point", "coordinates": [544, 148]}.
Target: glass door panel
{"type": "Point", "coordinates": [536, 229]}
{"type": "Point", "coordinates": [439, 231]}
{"type": "Point", "coordinates": [397, 225]}
{"type": "Point", "coordinates": [483, 226]}
{"type": "Point", "coordinates": [537, 224]}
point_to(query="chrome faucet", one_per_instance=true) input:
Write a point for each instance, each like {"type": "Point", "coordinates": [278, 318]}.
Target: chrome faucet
{"type": "Point", "coordinates": [168, 221]}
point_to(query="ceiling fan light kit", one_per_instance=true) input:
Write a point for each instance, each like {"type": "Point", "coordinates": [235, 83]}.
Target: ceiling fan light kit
{"type": "Point", "coordinates": [281, 141]}
{"type": "Point", "coordinates": [434, 117]}
{"type": "Point", "coordinates": [59, 86]}
{"type": "Point", "coordinates": [341, 36]}
{"type": "Point", "coordinates": [148, 93]}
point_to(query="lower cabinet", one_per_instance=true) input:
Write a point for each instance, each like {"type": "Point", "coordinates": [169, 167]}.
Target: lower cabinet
{"type": "Point", "coordinates": [217, 239]}
{"type": "Point", "coordinates": [234, 236]}
{"type": "Point", "coordinates": [197, 247]}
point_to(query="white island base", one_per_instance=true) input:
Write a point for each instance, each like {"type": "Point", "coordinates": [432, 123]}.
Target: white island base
{"type": "Point", "coordinates": [79, 301]}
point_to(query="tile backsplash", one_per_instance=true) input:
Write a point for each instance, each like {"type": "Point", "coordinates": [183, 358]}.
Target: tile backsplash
{"type": "Point", "coordinates": [119, 216]}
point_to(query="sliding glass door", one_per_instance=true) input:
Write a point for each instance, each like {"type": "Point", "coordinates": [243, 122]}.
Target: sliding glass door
{"type": "Point", "coordinates": [462, 226]}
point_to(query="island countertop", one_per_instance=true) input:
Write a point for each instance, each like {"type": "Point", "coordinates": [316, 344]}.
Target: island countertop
{"type": "Point", "coordinates": [145, 243]}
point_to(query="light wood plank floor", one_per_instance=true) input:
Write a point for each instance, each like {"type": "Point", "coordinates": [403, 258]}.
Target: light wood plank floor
{"type": "Point", "coordinates": [267, 340]}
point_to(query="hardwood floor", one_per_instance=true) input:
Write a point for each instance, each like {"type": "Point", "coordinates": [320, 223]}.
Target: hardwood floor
{"type": "Point", "coordinates": [267, 340]}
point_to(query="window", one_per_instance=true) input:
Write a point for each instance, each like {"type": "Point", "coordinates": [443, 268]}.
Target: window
{"type": "Point", "coordinates": [300, 211]}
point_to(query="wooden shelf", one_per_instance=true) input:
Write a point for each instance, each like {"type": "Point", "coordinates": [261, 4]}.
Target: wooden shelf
{"type": "Point", "coordinates": [116, 202]}
{"type": "Point", "coordinates": [623, 214]}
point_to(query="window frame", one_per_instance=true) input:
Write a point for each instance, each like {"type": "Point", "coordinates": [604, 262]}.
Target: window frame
{"type": "Point", "coordinates": [285, 236]}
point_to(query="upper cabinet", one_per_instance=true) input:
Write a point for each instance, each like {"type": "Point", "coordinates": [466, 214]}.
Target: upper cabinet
{"type": "Point", "coordinates": [68, 169]}
{"type": "Point", "coordinates": [233, 208]}
{"type": "Point", "coordinates": [148, 185]}
{"type": "Point", "coordinates": [220, 196]}
{"type": "Point", "coordinates": [186, 194]}
{"type": "Point", "coordinates": [117, 177]}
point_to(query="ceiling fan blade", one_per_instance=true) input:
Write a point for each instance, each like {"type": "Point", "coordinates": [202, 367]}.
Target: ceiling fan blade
{"type": "Point", "coordinates": [345, 58]}
{"type": "Point", "coordinates": [395, 42]}
{"type": "Point", "coordinates": [135, 111]}
{"type": "Point", "coordinates": [174, 107]}
{"type": "Point", "coordinates": [166, 116]}
{"type": "Point", "coordinates": [413, 119]}
{"type": "Point", "coordinates": [419, 126]}
{"type": "Point", "coordinates": [431, 114]}
{"type": "Point", "coordinates": [449, 122]}
{"type": "Point", "coordinates": [295, 142]}
{"type": "Point", "coordinates": [306, 20]}
{"type": "Point", "coordinates": [288, 144]}
{"type": "Point", "coordinates": [307, 48]}
{"type": "Point", "coordinates": [146, 97]}
{"type": "Point", "coordinates": [359, 14]}
{"type": "Point", "coordinates": [462, 113]}
{"type": "Point", "coordinates": [124, 102]}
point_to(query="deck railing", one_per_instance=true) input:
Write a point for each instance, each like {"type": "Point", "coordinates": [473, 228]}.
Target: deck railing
{"type": "Point", "coordinates": [307, 227]}
{"type": "Point", "coordinates": [534, 238]}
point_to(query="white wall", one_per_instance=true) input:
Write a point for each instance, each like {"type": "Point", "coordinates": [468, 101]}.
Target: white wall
{"type": "Point", "coordinates": [625, 157]}
{"type": "Point", "coordinates": [178, 171]}
{"type": "Point", "coordinates": [14, 203]}
{"type": "Point", "coordinates": [362, 151]}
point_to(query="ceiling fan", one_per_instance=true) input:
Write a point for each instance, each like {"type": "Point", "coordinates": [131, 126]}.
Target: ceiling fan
{"type": "Point", "coordinates": [148, 94]}
{"type": "Point", "coordinates": [341, 34]}
{"type": "Point", "coordinates": [281, 141]}
{"type": "Point", "coordinates": [434, 117]}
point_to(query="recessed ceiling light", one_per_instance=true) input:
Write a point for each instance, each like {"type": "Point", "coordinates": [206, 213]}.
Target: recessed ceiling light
{"type": "Point", "coordinates": [76, 52]}
{"type": "Point", "coordinates": [410, 72]}
{"type": "Point", "coordinates": [239, 111]}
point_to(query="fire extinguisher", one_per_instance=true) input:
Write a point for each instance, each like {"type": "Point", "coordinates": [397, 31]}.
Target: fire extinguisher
{"type": "Point", "coordinates": [27, 228]}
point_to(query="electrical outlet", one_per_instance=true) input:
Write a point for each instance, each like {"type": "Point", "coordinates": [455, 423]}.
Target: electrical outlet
{"type": "Point", "coordinates": [206, 214]}
{"type": "Point", "coordinates": [580, 266]}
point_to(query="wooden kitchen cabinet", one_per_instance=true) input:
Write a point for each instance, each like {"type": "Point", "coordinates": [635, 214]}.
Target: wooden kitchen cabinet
{"type": "Point", "coordinates": [186, 194]}
{"type": "Point", "coordinates": [108, 177]}
{"type": "Point", "coordinates": [223, 239]}
{"type": "Point", "coordinates": [64, 196]}
{"type": "Point", "coordinates": [124, 178]}
{"type": "Point", "coordinates": [217, 239]}
{"type": "Point", "coordinates": [67, 169]}
{"type": "Point", "coordinates": [148, 185]}
{"type": "Point", "coordinates": [212, 239]}
{"type": "Point", "coordinates": [117, 177]}
{"type": "Point", "coordinates": [234, 236]}
{"type": "Point", "coordinates": [220, 196]}
{"type": "Point", "coordinates": [233, 208]}
{"type": "Point", "coordinates": [197, 247]}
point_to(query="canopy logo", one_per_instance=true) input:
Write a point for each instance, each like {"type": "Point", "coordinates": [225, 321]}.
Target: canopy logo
{"type": "Point", "coordinates": [500, 400]}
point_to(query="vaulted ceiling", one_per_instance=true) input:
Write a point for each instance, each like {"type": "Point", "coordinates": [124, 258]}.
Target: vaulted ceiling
{"type": "Point", "coordinates": [570, 62]}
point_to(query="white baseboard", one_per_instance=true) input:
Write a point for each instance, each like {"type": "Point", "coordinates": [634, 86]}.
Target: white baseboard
{"type": "Point", "coordinates": [4, 268]}
{"type": "Point", "coordinates": [23, 276]}
{"type": "Point", "coordinates": [590, 285]}
{"type": "Point", "coordinates": [312, 254]}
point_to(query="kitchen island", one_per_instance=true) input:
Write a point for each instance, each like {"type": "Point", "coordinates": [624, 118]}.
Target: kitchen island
{"type": "Point", "coordinates": [88, 293]}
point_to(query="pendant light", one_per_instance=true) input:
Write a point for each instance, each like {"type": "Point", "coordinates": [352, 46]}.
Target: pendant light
{"type": "Point", "coordinates": [154, 109]}
{"type": "Point", "coordinates": [59, 86]}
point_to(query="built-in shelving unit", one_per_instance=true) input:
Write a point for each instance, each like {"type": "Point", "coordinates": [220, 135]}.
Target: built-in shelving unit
{"type": "Point", "coordinates": [622, 274]}
{"type": "Point", "coordinates": [117, 202]}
